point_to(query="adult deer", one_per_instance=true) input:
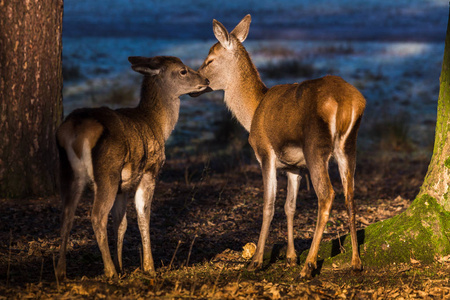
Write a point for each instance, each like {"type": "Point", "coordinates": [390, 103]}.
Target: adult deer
{"type": "Point", "coordinates": [290, 125]}
{"type": "Point", "coordinates": [120, 151]}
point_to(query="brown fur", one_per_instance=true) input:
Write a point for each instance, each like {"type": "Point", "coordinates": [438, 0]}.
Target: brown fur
{"type": "Point", "coordinates": [290, 126]}
{"type": "Point", "coordinates": [120, 151]}
{"type": "Point", "coordinates": [90, 130]}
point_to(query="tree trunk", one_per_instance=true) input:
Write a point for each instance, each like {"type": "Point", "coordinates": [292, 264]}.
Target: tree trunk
{"type": "Point", "coordinates": [437, 180]}
{"type": "Point", "coordinates": [422, 232]}
{"type": "Point", "coordinates": [31, 95]}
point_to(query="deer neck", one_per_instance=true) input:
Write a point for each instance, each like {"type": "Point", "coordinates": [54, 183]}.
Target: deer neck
{"type": "Point", "coordinates": [245, 91]}
{"type": "Point", "coordinates": [160, 107]}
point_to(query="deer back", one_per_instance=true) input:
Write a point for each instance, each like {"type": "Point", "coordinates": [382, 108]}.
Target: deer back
{"type": "Point", "coordinates": [313, 113]}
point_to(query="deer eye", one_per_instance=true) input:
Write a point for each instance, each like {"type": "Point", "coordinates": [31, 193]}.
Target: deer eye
{"type": "Point", "coordinates": [183, 72]}
{"type": "Point", "coordinates": [209, 62]}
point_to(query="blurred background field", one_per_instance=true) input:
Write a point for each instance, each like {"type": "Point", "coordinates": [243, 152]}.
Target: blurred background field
{"type": "Point", "coordinates": [391, 50]}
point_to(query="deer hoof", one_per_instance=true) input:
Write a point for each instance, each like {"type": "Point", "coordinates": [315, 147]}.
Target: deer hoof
{"type": "Point", "coordinates": [357, 265]}
{"type": "Point", "coordinates": [254, 265]}
{"type": "Point", "coordinates": [151, 272]}
{"type": "Point", "coordinates": [60, 275]}
{"type": "Point", "coordinates": [291, 262]}
{"type": "Point", "coordinates": [306, 272]}
{"type": "Point", "coordinates": [111, 273]}
{"type": "Point", "coordinates": [357, 268]}
{"type": "Point", "coordinates": [61, 271]}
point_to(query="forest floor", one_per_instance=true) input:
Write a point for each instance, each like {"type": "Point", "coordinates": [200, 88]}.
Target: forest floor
{"type": "Point", "coordinates": [207, 206]}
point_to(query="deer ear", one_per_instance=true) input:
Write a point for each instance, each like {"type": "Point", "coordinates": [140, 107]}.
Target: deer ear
{"type": "Point", "coordinates": [241, 29]}
{"type": "Point", "coordinates": [144, 65]}
{"type": "Point", "coordinates": [145, 69]}
{"type": "Point", "coordinates": [221, 34]}
{"type": "Point", "coordinates": [134, 60]}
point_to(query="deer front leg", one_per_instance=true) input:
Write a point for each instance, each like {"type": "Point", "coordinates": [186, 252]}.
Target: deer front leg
{"type": "Point", "coordinates": [289, 209]}
{"type": "Point", "coordinates": [105, 195]}
{"type": "Point", "coordinates": [143, 201]}
{"type": "Point", "coordinates": [119, 214]}
{"type": "Point", "coordinates": [325, 194]}
{"type": "Point", "coordinates": [270, 186]}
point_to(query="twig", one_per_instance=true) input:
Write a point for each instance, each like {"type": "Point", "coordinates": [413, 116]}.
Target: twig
{"type": "Point", "coordinates": [308, 184]}
{"type": "Point", "coordinates": [9, 258]}
{"type": "Point", "coordinates": [237, 283]}
{"type": "Point", "coordinates": [42, 270]}
{"type": "Point", "coordinates": [341, 248]}
{"type": "Point", "coordinates": [217, 280]}
{"type": "Point", "coordinates": [221, 191]}
{"type": "Point", "coordinates": [175, 253]}
{"type": "Point", "coordinates": [190, 250]}
{"type": "Point", "coordinates": [140, 257]}
{"type": "Point", "coordinates": [56, 275]}
{"type": "Point", "coordinates": [412, 281]}
{"type": "Point", "coordinates": [192, 291]}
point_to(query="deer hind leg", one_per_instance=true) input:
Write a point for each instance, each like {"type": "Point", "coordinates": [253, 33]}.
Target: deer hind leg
{"type": "Point", "coordinates": [72, 183]}
{"type": "Point", "coordinates": [289, 209]}
{"type": "Point", "coordinates": [105, 195]}
{"type": "Point", "coordinates": [318, 168]}
{"type": "Point", "coordinates": [345, 154]}
{"type": "Point", "coordinates": [270, 186]}
{"type": "Point", "coordinates": [143, 202]}
{"type": "Point", "coordinates": [119, 214]}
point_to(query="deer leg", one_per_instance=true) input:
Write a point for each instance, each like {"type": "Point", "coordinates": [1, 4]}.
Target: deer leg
{"type": "Point", "coordinates": [318, 168]}
{"type": "Point", "coordinates": [143, 201]}
{"type": "Point", "coordinates": [269, 172]}
{"type": "Point", "coordinates": [72, 186]}
{"type": "Point", "coordinates": [105, 195]}
{"type": "Point", "coordinates": [289, 209]}
{"type": "Point", "coordinates": [347, 163]}
{"type": "Point", "coordinates": [71, 198]}
{"type": "Point", "coordinates": [119, 214]}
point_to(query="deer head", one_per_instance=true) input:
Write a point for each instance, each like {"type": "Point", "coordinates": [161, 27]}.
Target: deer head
{"type": "Point", "coordinates": [223, 59]}
{"type": "Point", "coordinates": [176, 76]}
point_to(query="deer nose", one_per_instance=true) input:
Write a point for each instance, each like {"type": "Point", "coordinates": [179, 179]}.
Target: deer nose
{"type": "Point", "coordinates": [207, 81]}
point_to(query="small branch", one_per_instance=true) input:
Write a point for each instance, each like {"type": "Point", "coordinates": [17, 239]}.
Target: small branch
{"type": "Point", "coordinates": [42, 270]}
{"type": "Point", "coordinates": [217, 280]}
{"type": "Point", "coordinates": [190, 250]}
{"type": "Point", "coordinates": [56, 275]}
{"type": "Point", "coordinates": [308, 183]}
{"type": "Point", "coordinates": [175, 253]}
{"type": "Point", "coordinates": [9, 258]}
{"type": "Point", "coordinates": [140, 258]}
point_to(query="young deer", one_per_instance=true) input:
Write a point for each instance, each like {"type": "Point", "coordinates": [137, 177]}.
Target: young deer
{"type": "Point", "coordinates": [119, 151]}
{"type": "Point", "coordinates": [290, 125]}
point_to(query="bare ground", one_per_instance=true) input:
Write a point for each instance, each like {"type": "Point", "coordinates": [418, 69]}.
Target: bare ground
{"type": "Point", "coordinates": [207, 206]}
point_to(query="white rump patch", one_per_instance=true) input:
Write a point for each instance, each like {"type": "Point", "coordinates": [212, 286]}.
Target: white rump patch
{"type": "Point", "coordinates": [333, 125]}
{"type": "Point", "coordinates": [339, 154]}
{"type": "Point", "coordinates": [82, 167]}
{"type": "Point", "coordinates": [349, 129]}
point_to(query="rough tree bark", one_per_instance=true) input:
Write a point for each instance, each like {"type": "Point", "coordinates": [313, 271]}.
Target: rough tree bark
{"type": "Point", "coordinates": [30, 95]}
{"type": "Point", "coordinates": [422, 232]}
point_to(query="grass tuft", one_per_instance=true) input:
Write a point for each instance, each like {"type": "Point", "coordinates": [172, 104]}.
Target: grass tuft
{"type": "Point", "coordinates": [391, 132]}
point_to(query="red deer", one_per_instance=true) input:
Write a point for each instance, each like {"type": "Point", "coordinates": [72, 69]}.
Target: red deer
{"type": "Point", "coordinates": [290, 126]}
{"type": "Point", "coordinates": [121, 151]}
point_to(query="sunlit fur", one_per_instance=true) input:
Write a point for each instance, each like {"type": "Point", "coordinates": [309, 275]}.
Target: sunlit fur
{"type": "Point", "coordinates": [290, 126]}
{"type": "Point", "coordinates": [120, 151]}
